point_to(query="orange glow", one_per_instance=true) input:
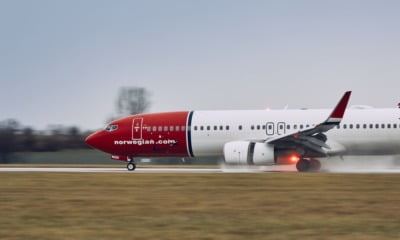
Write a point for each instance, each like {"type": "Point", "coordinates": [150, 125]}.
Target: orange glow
{"type": "Point", "coordinates": [294, 158]}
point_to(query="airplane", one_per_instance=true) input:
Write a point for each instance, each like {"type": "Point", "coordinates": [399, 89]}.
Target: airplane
{"type": "Point", "coordinates": [254, 137]}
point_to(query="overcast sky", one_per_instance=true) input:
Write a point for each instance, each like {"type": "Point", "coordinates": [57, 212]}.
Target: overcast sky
{"type": "Point", "coordinates": [62, 62]}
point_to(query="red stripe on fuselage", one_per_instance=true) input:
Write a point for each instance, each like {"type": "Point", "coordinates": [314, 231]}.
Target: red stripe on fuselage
{"type": "Point", "coordinates": [151, 135]}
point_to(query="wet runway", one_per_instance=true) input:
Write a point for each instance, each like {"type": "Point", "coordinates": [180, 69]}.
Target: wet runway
{"type": "Point", "coordinates": [113, 170]}
{"type": "Point", "coordinates": [222, 169]}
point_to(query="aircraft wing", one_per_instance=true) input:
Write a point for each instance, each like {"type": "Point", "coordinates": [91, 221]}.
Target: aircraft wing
{"type": "Point", "coordinates": [313, 139]}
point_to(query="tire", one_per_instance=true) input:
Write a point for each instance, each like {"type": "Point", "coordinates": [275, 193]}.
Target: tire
{"type": "Point", "coordinates": [303, 165]}
{"type": "Point", "coordinates": [315, 165]}
{"type": "Point", "coordinates": [131, 166]}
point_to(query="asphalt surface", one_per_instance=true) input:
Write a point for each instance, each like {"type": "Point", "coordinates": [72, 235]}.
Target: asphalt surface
{"type": "Point", "coordinates": [223, 169]}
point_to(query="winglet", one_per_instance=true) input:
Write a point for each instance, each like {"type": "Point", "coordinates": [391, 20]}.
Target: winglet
{"type": "Point", "coordinates": [337, 114]}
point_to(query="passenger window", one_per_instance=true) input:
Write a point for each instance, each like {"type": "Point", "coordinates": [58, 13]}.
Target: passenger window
{"type": "Point", "coordinates": [388, 125]}
{"type": "Point", "coordinates": [252, 127]}
{"type": "Point", "coordinates": [371, 125]}
{"type": "Point", "coordinates": [288, 127]}
{"type": "Point", "coordinates": [376, 126]}
{"type": "Point", "coordinates": [240, 127]}
{"type": "Point", "coordinates": [307, 126]}
{"type": "Point", "coordinates": [351, 126]}
{"type": "Point", "coordinates": [357, 126]}
{"type": "Point", "coordinates": [295, 126]}
{"type": "Point", "coordinates": [344, 126]}
{"type": "Point", "coordinates": [165, 128]}
{"type": "Point", "coordinates": [177, 128]}
{"type": "Point", "coordinates": [263, 127]}
{"type": "Point", "coordinates": [338, 126]}
{"type": "Point", "coordinates": [159, 128]}
{"type": "Point", "coordinates": [208, 128]}
{"type": "Point", "coordinates": [227, 127]}
{"type": "Point", "coordinates": [258, 127]}
{"type": "Point", "coordinates": [183, 128]}
{"type": "Point", "coordinates": [394, 125]}
{"type": "Point", "coordinates": [221, 128]}
{"type": "Point", "coordinates": [364, 126]}
{"type": "Point", "coordinates": [301, 126]}
{"type": "Point", "coordinates": [383, 125]}
{"type": "Point", "coordinates": [195, 128]}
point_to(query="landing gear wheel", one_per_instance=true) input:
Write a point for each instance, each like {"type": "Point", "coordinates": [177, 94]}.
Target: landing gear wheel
{"type": "Point", "coordinates": [315, 165]}
{"type": "Point", "coordinates": [303, 165]}
{"type": "Point", "coordinates": [131, 166]}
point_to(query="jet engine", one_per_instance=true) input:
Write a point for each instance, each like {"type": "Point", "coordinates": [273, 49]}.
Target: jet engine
{"type": "Point", "coordinates": [249, 153]}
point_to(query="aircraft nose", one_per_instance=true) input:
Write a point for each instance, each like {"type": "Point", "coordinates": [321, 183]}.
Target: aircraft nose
{"type": "Point", "coordinates": [92, 140]}
{"type": "Point", "coordinates": [99, 140]}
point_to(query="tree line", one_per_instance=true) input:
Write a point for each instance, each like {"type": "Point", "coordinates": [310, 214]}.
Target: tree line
{"type": "Point", "coordinates": [14, 137]}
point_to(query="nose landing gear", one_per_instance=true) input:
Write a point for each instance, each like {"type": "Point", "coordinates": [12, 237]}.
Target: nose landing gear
{"type": "Point", "coordinates": [131, 166]}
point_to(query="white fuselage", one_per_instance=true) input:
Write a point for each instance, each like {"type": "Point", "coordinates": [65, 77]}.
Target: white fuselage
{"type": "Point", "coordinates": [362, 131]}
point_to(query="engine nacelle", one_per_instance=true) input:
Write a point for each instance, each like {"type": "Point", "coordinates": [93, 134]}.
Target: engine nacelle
{"type": "Point", "coordinates": [249, 153]}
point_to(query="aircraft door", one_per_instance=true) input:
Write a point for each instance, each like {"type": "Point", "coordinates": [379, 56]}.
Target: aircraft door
{"type": "Point", "coordinates": [281, 128]}
{"type": "Point", "coordinates": [270, 128]}
{"type": "Point", "coordinates": [137, 125]}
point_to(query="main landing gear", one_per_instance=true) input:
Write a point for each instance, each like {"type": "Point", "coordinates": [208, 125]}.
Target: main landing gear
{"type": "Point", "coordinates": [305, 165]}
{"type": "Point", "coordinates": [131, 166]}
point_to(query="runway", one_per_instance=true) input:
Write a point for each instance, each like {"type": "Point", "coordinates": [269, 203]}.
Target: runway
{"type": "Point", "coordinates": [264, 169]}
{"type": "Point", "coordinates": [122, 169]}
{"type": "Point", "coordinates": [112, 170]}
{"type": "Point", "coordinates": [139, 170]}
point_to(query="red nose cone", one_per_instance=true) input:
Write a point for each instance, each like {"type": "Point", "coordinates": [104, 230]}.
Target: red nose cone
{"type": "Point", "coordinates": [100, 140]}
{"type": "Point", "coordinates": [91, 140]}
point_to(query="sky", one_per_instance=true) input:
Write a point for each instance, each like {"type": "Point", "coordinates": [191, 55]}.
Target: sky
{"type": "Point", "coordinates": [63, 61]}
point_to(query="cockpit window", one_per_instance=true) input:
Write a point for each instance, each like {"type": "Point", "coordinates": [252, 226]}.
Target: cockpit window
{"type": "Point", "coordinates": [111, 128]}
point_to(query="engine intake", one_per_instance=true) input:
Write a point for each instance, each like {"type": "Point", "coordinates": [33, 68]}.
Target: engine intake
{"type": "Point", "coordinates": [249, 153]}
